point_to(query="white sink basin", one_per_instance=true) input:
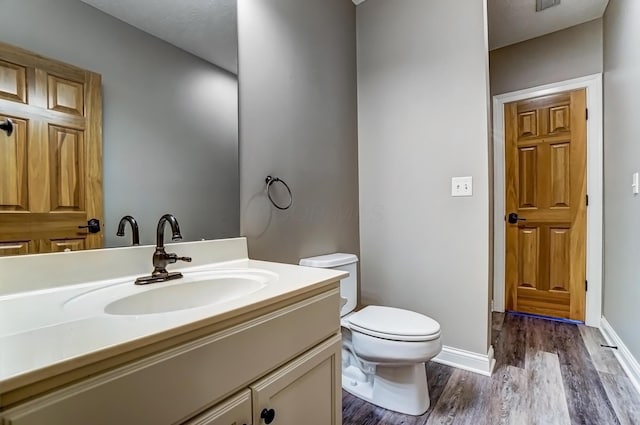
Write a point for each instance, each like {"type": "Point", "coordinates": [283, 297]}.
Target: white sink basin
{"type": "Point", "coordinates": [194, 290]}
{"type": "Point", "coordinates": [181, 297]}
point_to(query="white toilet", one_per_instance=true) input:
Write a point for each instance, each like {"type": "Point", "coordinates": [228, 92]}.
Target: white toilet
{"type": "Point", "coordinates": [384, 349]}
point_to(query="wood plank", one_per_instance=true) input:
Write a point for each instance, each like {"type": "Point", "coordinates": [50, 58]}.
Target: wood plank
{"type": "Point", "coordinates": [94, 187]}
{"type": "Point", "coordinates": [34, 112]}
{"type": "Point", "coordinates": [542, 140]}
{"type": "Point", "coordinates": [45, 225]}
{"type": "Point", "coordinates": [587, 400]}
{"type": "Point", "coordinates": [511, 196]}
{"type": "Point", "coordinates": [465, 400]}
{"type": "Point", "coordinates": [509, 396]}
{"type": "Point", "coordinates": [539, 337]}
{"type": "Point", "coordinates": [544, 102]}
{"type": "Point", "coordinates": [547, 401]}
{"type": "Point", "coordinates": [438, 376]}
{"type": "Point", "coordinates": [546, 303]}
{"type": "Point", "coordinates": [511, 347]}
{"type": "Point", "coordinates": [623, 397]}
{"type": "Point", "coordinates": [578, 244]}
{"type": "Point", "coordinates": [358, 412]}
{"type": "Point", "coordinates": [604, 359]}
{"type": "Point", "coordinates": [497, 320]}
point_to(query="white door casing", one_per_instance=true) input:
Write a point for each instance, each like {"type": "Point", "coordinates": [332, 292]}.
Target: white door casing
{"type": "Point", "coordinates": [593, 84]}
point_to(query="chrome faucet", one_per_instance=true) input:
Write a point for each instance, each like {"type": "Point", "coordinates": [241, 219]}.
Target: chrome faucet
{"type": "Point", "coordinates": [160, 257]}
{"type": "Point", "coordinates": [134, 228]}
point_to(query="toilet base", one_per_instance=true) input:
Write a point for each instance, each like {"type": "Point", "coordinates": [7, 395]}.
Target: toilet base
{"type": "Point", "coordinates": [402, 389]}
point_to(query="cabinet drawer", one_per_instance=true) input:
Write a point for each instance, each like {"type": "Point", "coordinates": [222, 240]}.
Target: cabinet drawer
{"type": "Point", "coordinates": [235, 411]}
{"type": "Point", "coordinates": [171, 386]}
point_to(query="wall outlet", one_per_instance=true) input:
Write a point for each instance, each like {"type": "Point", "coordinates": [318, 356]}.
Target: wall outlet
{"type": "Point", "coordinates": [462, 186]}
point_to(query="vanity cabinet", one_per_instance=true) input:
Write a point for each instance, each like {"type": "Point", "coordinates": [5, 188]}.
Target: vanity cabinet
{"type": "Point", "coordinates": [235, 411]}
{"type": "Point", "coordinates": [304, 391]}
{"type": "Point", "coordinates": [286, 360]}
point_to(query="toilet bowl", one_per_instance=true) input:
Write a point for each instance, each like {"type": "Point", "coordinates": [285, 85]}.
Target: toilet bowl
{"type": "Point", "coordinates": [384, 349]}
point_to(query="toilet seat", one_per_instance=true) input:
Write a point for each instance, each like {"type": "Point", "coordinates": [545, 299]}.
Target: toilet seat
{"type": "Point", "coordinates": [394, 324]}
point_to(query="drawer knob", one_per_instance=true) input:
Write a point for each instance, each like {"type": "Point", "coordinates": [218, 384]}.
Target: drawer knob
{"type": "Point", "coordinates": [268, 415]}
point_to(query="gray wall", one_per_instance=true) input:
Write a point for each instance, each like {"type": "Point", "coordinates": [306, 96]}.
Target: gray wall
{"type": "Point", "coordinates": [297, 63]}
{"type": "Point", "coordinates": [170, 119]}
{"type": "Point", "coordinates": [570, 53]}
{"type": "Point", "coordinates": [622, 159]}
{"type": "Point", "coordinates": [422, 119]}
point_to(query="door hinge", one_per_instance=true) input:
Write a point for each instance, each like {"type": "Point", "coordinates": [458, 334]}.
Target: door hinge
{"type": "Point", "coordinates": [586, 114]}
{"type": "Point", "coordinates": [586, 285]}
{"type": "Point", "coordinates": [587, 200]}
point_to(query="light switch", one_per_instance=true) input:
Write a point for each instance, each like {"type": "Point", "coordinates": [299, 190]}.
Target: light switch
{"type": "Point", "coordinates": [462, 186]}
{"type": "Point", "coordinates": [635, 185]}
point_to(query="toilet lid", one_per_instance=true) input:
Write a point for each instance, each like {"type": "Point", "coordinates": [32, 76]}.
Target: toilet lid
{"type": "Point", "coordinates": [394, 324]}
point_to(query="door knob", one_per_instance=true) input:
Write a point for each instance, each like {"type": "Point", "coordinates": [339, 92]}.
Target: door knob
{"type": "Point", "coordinates": [267, 415]}
{"type": "Point", "coordinates": [513, 218]}
{"type": "Point", "coordinates": [93, 226]}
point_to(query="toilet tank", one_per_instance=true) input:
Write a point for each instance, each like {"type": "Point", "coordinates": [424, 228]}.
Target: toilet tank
{"type": "Point", "coordinates": [348, 285]}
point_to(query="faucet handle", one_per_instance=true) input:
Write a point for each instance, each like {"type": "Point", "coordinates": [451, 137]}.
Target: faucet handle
{"type": "Point", "coordinates": [173, 258]}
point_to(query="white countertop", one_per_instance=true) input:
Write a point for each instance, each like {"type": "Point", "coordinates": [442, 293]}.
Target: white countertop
{"type": "Point", "coordinates": [38, 334]}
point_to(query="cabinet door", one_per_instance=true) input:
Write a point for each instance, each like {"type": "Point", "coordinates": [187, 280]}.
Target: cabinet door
{"type": "Point", "coordinates": [305, 391]}
{"type": "Point", "coordinates": [235, 411]}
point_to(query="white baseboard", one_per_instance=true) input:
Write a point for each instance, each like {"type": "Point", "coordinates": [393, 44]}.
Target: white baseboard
{"type": "Point", "coordinates": [626, 359]}
{"type": "Point", "coordinates": [466, 360]}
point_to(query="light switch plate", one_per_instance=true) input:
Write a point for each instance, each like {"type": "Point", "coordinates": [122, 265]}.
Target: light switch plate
{"type": "Point", "coordinates": [462, 186]}
{"type": "Point", "coordinates": [635, 184]}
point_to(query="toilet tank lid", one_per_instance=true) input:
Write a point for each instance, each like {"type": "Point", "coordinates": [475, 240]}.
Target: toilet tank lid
{"type": "Point", "coordinates": [329, 260]}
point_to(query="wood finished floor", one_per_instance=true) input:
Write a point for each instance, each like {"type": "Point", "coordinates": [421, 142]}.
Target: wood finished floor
{"type": "Point", "coordinates": [546, 373]}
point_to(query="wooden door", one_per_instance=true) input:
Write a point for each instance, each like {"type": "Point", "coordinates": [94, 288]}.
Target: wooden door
{"type": "Point", "coordinates": [306, 391]}
{"type": "Point", "coordinates": [51, 166]}
{"type": "Point", "coordinates": [546, 188]}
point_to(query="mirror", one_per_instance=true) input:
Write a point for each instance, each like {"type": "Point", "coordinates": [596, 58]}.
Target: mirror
{"type": "Point", "coordinates": [170, 118]}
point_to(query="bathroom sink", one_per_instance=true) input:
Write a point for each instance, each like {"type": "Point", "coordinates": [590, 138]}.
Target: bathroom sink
{"type": "Point", "coordinates": [194, 290]}
{"type": "Point", "coordinates": [185, 296]}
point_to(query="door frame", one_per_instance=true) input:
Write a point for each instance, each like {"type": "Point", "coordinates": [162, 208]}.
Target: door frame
{"type": "Point", "coordinates": [593, 85]}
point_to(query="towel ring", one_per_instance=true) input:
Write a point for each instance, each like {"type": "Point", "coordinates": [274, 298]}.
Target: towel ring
{"type": "Point", "coordinates": [271, 180]}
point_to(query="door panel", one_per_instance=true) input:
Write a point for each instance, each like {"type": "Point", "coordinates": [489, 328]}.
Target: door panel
{"type": "Point", "coordinates": [528, 177]}
{"type": "Point", "coordinates": [65, 95]}
{"type": "Point", "coordinates": [15, 248]}
{"type": "Point", "coordinates": [13, 82]}
{"type": "Point", "coordinates": [546, 188]}
{"type": "Point", "coordinates": [67, 245]}
{"type": "Point", "coordinates": [66, 154]}
{"type": "Point", "coordinates": [559, 259]}
{"type": "Point", "coordinates": [529, 247]}
{"type": "Point", "coordinates": [560, 175]}
{"type": "Point", "coordinates": [14, 189]}
{"type": "Point", "coordinates": [51, 174]}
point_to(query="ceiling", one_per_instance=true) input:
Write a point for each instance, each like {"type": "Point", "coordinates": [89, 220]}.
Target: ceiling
{"type": "Point", "coordinates": [205, 28]}
{"type": "Point", "coordinates": [208, 28]}
{"type": "Point", "coordinates": [513, 21]}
